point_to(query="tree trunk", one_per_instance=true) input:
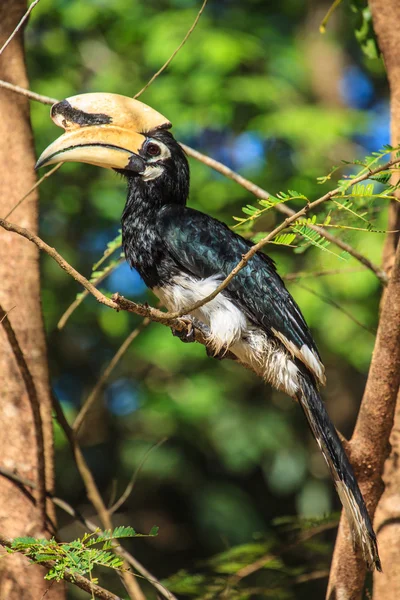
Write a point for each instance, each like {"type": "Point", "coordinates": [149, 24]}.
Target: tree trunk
{"type": "Point", "coordinates": [24, 375]}
{"type": "Point", "coordinates": [387, 518]}
{"type": "Point", "coordinates": [370, 442]}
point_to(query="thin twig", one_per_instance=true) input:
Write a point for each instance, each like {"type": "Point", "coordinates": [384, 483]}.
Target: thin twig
{"type": "Point", "coordinates": [107, 372]}
{"type": "Point", "coordinates": [338, 307]}
{"type": "Point", "coordinates": [332, 8]}
{"type": "Point", "coordinates": [313, 274]}
{"type": "Point", "coordinates": [27, 93]}
{"type": "Point", "coordinates": [90, 526]}
{"type": "Point", "coordinates": [37, 419]}
{"type": "Point", "coordinates": [18, 27]}
{"type": "Point", "coordinates": [131, 484]}
{"type": "Point", "coordinates": [33, 188]}
{"type": "Point", "coordinates": [171, 58]}
{"type": "Point", "coordinates": [78, 580]}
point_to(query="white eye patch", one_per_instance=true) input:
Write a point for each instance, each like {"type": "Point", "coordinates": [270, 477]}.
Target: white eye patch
{"type": "Point", "coordinates": [153, 171]}
{"type": "Point", "coordinates": [164, 151]}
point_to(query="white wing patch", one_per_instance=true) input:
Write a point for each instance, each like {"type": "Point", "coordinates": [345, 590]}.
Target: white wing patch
{"type": "Point", "coordinates": [305, 354]}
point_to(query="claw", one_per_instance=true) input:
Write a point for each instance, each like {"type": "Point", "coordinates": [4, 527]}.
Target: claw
{"type": "Point", "coordinates": [187, 337]}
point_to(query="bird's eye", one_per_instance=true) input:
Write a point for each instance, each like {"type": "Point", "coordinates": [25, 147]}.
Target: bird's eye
{"type": "Point", "coordinates": [153, 149]}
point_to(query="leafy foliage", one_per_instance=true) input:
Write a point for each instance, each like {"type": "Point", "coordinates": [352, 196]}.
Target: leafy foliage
{"type": "Point", "coordinates": [356, 200]}
{"type": "Point", "coordinates": [80, 556]}
{"type": "Point", "coordinates": [235, 573]}
{"type": "Point", "coordinates": [364, 30]}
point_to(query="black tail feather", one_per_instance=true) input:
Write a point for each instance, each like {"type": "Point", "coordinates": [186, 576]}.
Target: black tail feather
{"type": "Point", "coordinates": [340, 468]}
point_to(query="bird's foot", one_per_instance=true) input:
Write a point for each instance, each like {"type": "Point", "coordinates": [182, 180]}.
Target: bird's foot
{"type": "Point", "coordinates": [187, 336]}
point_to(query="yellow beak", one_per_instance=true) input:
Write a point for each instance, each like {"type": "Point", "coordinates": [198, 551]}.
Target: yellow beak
{"type": "Point", "coordinates": [106, 130]}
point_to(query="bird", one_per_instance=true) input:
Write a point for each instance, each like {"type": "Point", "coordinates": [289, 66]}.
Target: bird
{"type": "Point", "coordinates": [183, 255]}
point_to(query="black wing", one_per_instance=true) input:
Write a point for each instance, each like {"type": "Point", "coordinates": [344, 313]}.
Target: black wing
{"type": "Point", "coordinates": [203, 246]}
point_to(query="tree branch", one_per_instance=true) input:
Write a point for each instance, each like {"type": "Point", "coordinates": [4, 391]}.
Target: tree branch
{"type": "Point", "coordinates": [107, 372]}
{"type": "Point", "coordinates": [37, 419]}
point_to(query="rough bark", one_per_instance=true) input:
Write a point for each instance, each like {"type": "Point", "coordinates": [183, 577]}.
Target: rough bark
{"type": "Point", "coordinates": [387, 517]}
{"type": "Point", "coordinates": [25, 376]}
{"type": "Point", "coordinates": [370, 442]}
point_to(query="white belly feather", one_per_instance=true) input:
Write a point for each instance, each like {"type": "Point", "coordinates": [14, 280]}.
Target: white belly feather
{"type": "Point", "coordinates": [231, 329]}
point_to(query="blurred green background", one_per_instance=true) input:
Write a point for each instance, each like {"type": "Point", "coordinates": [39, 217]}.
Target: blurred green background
{"type": "Point", "coordinates": [259, 88]}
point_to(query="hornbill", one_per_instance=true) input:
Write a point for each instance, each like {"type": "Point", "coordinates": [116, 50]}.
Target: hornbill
{"type": "Point", "coordinates": [183, 254]}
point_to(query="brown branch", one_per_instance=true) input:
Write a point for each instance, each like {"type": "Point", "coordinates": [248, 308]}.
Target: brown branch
{"type": "Point", "coordinates": [82, 582]}
{"type": "Point", "coordinates": [107, 372]}
{"type": "Point", "coordinates": [171, 58]}
{"type": "Point", "coordinates": [27, 93]}
{"type": "Point", "coordinates": [18, 27]}
{"type": "Point", "coordinates": [94, 496]}
{"type": "Point", "coordinates": [369, 444]}
{"type": "Point", "coordinates": [37, 419]}
{"type": "Point", "coordinates": [90, 526]}
{"type": "Point", "coordinates": [284, 209]}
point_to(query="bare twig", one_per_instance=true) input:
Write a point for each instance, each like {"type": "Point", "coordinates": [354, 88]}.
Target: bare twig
{"type": "Point", "coordinates": [78, 580]}
{"type": "Point", "coordinates": [33, 188]}
{"type": "Point", "coordinates": [107, 372]}
{"type": "Point", "coordinates": [27, 93]}
{"type": "Point", "coordinates": [338, 307]}
{"type": "Point", "coordinates": [18, 27]}
{"type": "Point", "coordinates": [90, 526]}
{"type": "Point", "coordinates": [132, 482]}
{"type": "Point", "coordinates": [331, 10]}
{"type": "Point", "coordinates": [171, 58]}
{"type": "Point", "coordinates": [94, 496]}
{"type": "Point", "coordinates": [313, 274]}
{"type": "Point", "coordinates": [37, 419]}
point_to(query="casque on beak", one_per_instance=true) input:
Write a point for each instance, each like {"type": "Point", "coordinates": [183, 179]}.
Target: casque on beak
{"type": "Point", "coordinates": [107, 130]}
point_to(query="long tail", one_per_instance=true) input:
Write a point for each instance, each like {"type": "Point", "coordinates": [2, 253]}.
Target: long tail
{"type": "Point", "coordinates": [340, 468]}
